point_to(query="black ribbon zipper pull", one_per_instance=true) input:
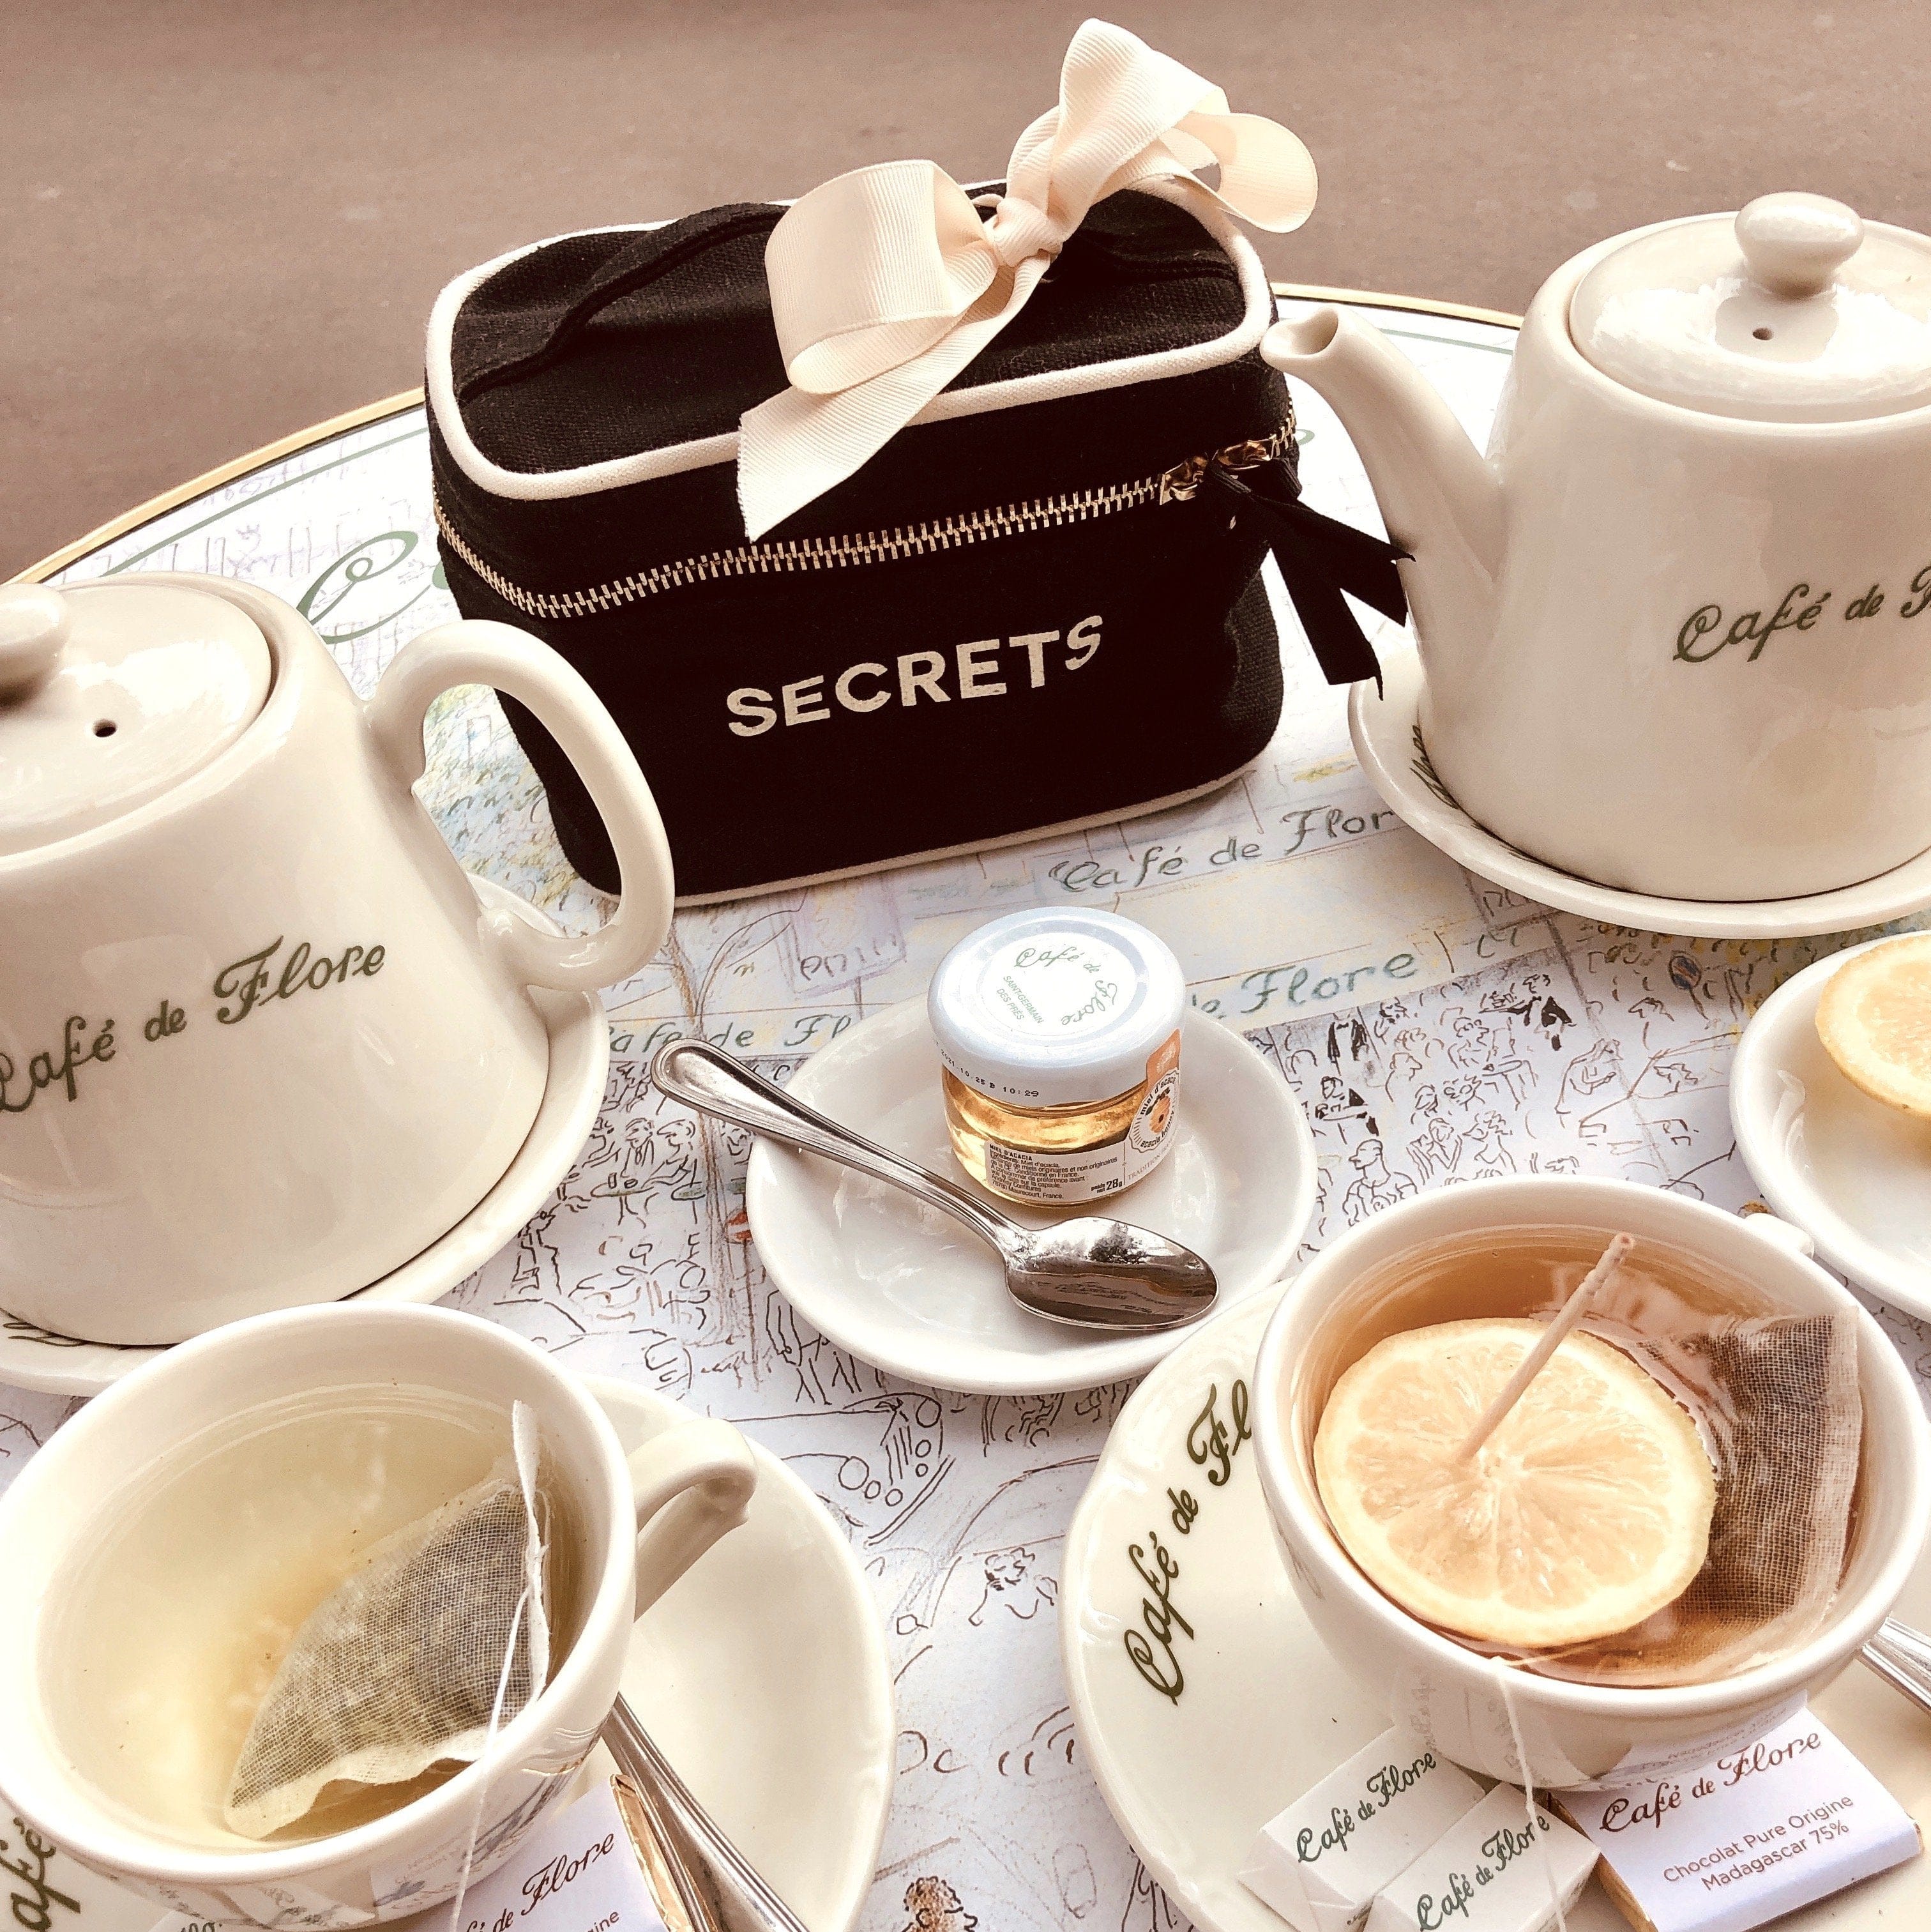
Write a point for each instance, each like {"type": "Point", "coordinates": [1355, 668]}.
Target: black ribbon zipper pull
{"type": "Point", "coordinates": [1320, 558]}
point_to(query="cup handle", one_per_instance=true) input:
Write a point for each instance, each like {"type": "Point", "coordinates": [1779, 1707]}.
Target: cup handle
{"type": "Point", "coordinates": [477, 651]}
{"type": "Point", "coordinates": [692, 1485]}
{"type": "Point", "coordinates": [1779, 1232]}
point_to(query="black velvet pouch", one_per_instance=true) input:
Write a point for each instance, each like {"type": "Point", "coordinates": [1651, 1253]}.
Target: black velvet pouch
{"type": "Point", "coordinates": [1039, 606]}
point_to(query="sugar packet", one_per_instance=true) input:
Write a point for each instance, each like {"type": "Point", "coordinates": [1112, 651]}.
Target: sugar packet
{"type": "Point", "coordinates": [1319, 1864]}
{"type": "Point", "coordinates": [1506, 1866]}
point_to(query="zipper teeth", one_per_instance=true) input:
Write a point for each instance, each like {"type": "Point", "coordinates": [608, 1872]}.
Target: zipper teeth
{"type": "Point", "coordinates": [1180, 484]}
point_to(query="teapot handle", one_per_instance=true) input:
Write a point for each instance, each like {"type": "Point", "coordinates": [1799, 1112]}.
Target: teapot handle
{"type": "Point", "coordinates": [477, 651]}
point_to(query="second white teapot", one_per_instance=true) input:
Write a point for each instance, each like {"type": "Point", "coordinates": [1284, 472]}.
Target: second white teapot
{"type": "Point", "coordinates": [1676, 625]}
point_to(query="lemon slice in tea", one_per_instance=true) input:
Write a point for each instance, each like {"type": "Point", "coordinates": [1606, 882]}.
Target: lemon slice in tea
{"type": "Point", "coordinates": [1586, 1510]}
{"type": "Point", "coordinates": [1874, 1021]}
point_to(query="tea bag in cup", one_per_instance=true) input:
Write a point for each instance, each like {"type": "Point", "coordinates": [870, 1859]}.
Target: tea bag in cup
{"type": "Point", "coordinates": [1777, 1400]}
{"type": "Point", "coordinates": [418, 1657]}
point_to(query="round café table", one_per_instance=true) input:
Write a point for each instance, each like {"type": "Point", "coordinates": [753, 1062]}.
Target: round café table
{"type": "Point", "coordinates": [1437, 1028]}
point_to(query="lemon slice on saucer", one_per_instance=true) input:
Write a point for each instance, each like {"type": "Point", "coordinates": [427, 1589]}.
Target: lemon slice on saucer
{"type": "Point", "coordinates": [1586, 1510]}
{"type": "Point", "coordinates": [1874, 1019]}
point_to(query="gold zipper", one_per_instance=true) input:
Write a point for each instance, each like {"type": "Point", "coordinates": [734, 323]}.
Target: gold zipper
{"type": "Point", "coordinates": [1179, 484]}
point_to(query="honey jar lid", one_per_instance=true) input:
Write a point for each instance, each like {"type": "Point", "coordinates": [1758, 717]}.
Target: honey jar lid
{"type": "Point", "coordinates": [1056, 1008]}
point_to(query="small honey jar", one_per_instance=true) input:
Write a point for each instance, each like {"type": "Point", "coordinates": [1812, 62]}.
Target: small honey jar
{"type": "Point", "coordinates": [1059, 1037]}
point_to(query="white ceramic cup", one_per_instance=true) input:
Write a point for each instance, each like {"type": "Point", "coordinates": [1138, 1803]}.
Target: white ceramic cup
{"type": "Point", "coordinates": [1576, 1734]}
{"type": "Point", "coordinates": [644, 1522]}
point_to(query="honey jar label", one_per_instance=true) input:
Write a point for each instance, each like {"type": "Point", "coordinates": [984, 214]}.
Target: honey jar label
{"type": "Point", "coordinates": [1064, 1177]}
{"type": "Point", "coordinates": [1056, 1179]}
{"type": "Point", "coordinates": [1154, 1119]}
{"type": "Point", "coordinates": [1057, 986]}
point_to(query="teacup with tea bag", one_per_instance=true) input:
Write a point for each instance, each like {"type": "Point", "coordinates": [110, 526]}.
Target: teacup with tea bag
{"type": "Point", "coordinates": [324, 1611]}
{"type": "Point", "coordinates": [1699, 1520]}
{"type": "Point", "coordinates": [280, 1641]}
{"type": "Point", "coordinates": [1667, 1500]}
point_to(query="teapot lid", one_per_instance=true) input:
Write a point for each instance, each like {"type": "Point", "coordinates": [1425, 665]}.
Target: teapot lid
{"type": "Point", "coordinates": [1793, 310]}
{"type": "Point", "coordinates": [111, 694]}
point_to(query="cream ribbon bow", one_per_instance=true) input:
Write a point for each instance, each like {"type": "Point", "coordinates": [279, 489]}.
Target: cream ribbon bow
{"type": "Point", "coordinates": [884, 283]}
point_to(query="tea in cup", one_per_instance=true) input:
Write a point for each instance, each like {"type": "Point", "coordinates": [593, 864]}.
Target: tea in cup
{"type": "Point", "coordinates": [286, 1641]}
{"type": "Point", "coordinates": [1695, 1575]}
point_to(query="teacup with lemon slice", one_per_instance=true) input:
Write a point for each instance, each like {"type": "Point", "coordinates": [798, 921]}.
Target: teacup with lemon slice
{"type": "Point", "coordinates": [1693, 1512]}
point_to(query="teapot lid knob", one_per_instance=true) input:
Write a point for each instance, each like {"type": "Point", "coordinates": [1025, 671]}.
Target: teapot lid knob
{"type": "Point", "coordinates": [35, 624]}
{"type": "Point", "coordinates": [1794, 244]}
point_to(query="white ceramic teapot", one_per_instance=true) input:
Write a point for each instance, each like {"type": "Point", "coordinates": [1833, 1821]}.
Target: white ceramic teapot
{"type": "Point", "coordinates": [260, 1042]}
{"type": "Point", "coordinates": [1676, 627]}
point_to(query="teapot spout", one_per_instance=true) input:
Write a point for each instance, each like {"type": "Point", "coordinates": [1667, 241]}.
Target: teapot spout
{"type": "Point", "coordinates": [1438, 495]}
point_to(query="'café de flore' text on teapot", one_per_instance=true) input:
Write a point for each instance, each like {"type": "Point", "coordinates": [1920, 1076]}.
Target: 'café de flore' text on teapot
{"type": "Point", "coordinates": [260, 1041]}
{"type": "Point", "coordinates": [1675, 628]}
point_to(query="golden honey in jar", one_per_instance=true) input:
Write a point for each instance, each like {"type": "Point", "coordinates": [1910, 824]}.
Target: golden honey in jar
{"type": "Point", "coordinates": [1059, 1038]}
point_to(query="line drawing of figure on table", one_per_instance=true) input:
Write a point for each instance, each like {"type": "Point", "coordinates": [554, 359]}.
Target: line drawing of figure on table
{"type": "Point", "coordinates": [25, 1423]}
{"type": "Point", "coordinates": [1603, 1051]}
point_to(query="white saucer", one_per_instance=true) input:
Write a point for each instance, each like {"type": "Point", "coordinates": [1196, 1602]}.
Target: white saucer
{"type": "Point", "coordinates": [1264, 1712]}
{"type": "Point", "coordinates": [903, 1288]}
{"type": "Point", "coordinates": [763, 1674]}
{"type": "Point", "coordinates": [1854, 1174]}
{"type": "Point", "coordinates": [33, 1358]}
{"type": "Point", "coordinates": [791, 1750]}
{"type": "Point", "coordinates": [1387, 741]}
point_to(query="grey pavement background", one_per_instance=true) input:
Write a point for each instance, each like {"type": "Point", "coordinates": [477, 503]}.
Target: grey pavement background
{"type": "Point", "coordinates": [220, 222]}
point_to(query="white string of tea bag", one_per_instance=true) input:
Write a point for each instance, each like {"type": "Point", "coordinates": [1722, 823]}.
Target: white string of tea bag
{"type": "Point", "coordinates": [1553, 1337]}
{"type": "Point", "coordinates": [531, 1608]}
{"type": "Point", "coordinates": [1536, 1835]}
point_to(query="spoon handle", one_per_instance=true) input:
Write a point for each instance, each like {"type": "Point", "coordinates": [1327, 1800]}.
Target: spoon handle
{"type": "Point", "coordinates": [696, 1072]}
{"type": "Point", "coordinates": [1901, 1657]}
{"type": "Point", "coordinates": [691, 1826]}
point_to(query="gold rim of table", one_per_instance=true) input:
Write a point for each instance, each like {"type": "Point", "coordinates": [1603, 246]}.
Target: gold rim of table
{"type": "Point", "coordinates": [408, 399]}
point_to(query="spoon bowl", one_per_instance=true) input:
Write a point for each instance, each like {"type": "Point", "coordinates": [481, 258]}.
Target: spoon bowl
{"type": "Point", "coordinates": [1090, 1272]}
{"type": "Point", "coordinates": [1094, 1273]}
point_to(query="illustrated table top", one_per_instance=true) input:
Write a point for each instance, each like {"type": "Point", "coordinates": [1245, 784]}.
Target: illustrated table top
{"type": "Point", "coordinates": [1437, 1028]}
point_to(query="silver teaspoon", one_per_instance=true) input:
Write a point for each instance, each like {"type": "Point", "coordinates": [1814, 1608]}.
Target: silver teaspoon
{"type": "Point", "coordinates": [692, 1836]}
{"type": "Point", "coordinates": [1090, 1272]}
